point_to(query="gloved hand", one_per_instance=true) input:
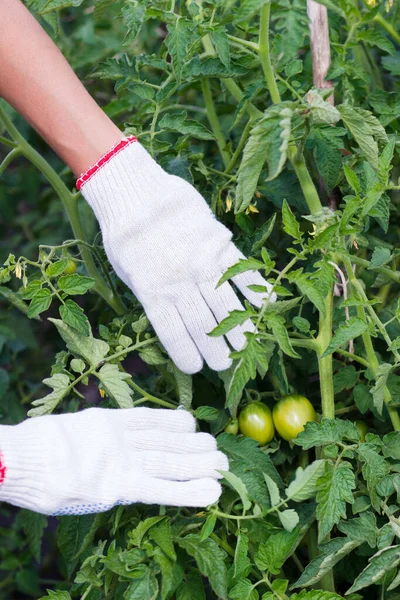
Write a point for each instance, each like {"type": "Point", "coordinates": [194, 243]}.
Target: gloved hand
{"type": "Point", "coordinates": [164, 242]}
{"type": "Point", "coordinates": [88, 462]}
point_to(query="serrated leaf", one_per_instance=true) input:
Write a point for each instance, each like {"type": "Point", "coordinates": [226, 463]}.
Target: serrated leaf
{"type": "Point", "coordinates": [335, 489]}
{"type": "Point", "coordinates": [345, 379]}
{"type": "Point", "coordinates": [74, 316]}
{"type": "Point", "coordinates": [378, 391]}
{"type": "Point", "coordinates": [380, 563]}
{"type": "Point", "coordinates": [114, 382]}
{"type": "Point", "coordinates": [380, 256]}
{"type": "Point", "coordinates": [273, 553]}
{"type": "Point", "coordinates": [308, 288]}
{"type": "Point", "coordinates": [61, 386]}
{"type": "Point", "coordinates": [181, 34]}
{"type": "Point", "coordinates": [290, 223]}
{"type": "Point", "coordinates": [352, 179]}
{"type": "Point", "coordinates": [235, 317]}
{"type": "Point", "coordinates": [350, 330]}
{"type": "Point", "coordinates": [33, 525]}
{"type": "Point", "coordinates": [179, 122]}
{"type": "Point", "coordinates": [374, 469]}
{"type": "Point", "coordinates": [221, 45]}
{"type": "Point", "coordinates": [90, 348]}
{"type": "Point", "coordinates": [185, 387]}
{"type": "Point", "coordinates": [361, 132]}
{"type": "Point", "coordinates": [242, 452]}
{"type": "Point", "coordinates": [243, 590]}
{"type": "Point", "coordinates": [304, 485]}
{"type": "Point", "coordinates": [239, 487]}
{"type": "Point", "coordinates": [40, 302]}
{"type": "Point", "coordinates": [289, 519]}
{"type": "Point", "coordinates": [277, 325]}
{"type": "Point", "coordinates": [152, 355]}
{"type": "Point", "coordinates": [241, 561]}
{"type": "Point", "coordinates": [376, 38]}
{"type": "Point", "coordinates": [57, 268]}
{"type": "Point", "coordinates": [244, 264]}
{"type": "Point", "coordinates": [75, 284]}
{"type": "Point", "coordinates": [206, 413]}
{"type": "Point", "coordinates": [322, 112]}
{"type": "Point", "coordinates": [210, 559]}
{"type": "Point", "coordinates": [301, 324]}
{"type": "Point", "coordinates": [329, 431]}
{"type": "Point", "coordinates": [268, 142]}
{"type": "Point", "coordinates": [363, 528]}
{"type": "Point", "coordinates": [329, 555]}
{"type": "Point", "coordinates": [248, 8]}
{"type": "Point", "coordinates": [273, 490]}
{"type": "Point", "coordinates": [31, 289]}
{"type": "Point", "coordinates": [253, 354]}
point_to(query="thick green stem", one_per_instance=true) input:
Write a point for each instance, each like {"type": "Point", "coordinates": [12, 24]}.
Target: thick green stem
{"type": "Point", "coordinates": [393, 275]}
{"type": "Point", "coordinates": [69, 201]}
{"type": "Point", "coordinates": [295, 157]}
{"type": "Point", "coordinates": [325, 363]}
{"type": "Point", "coordinates": [388, 27]}
{"type": "Point", "coordinates": [370, 352]}
{"type": "Point", "coordinates": [214, 122]}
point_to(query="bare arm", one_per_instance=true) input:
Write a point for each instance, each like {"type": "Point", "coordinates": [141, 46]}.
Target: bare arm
{"type": "Point", "coordinates": [37, 81]}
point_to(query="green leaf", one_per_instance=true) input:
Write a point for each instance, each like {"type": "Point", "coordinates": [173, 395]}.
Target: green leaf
{"type": "Point", "coordinates": [277, 324]}
{"type": "Point", "coordinates": [374, 469]}
{"type": "Point", "coordinates": [185, 387]}
{"type": "Point", "coordinates": [181, 34]}
{"type": "Point", "coordinates": [242, 452]}
{"type": "Point", "coordinates": [273, 490]}
{"type": "Point", "coordinates": [31, 289]}
{"type": "Point", "coordinates": [221, 44]}
{"type": "Point", "coordinates": [268, 142]}
{"type": "Point", "coordinates": [252, 355]}
{"type": "Point", "coordinates": [179, 122]}
{"type": "Point", "coordinates": [210, 559]}
{"type": "Point", "coordinates": [91, 349]}
{"type": "Point", "coordinates": [75, 284]}
{"type": "Point", "coordinates": [362, 528]}
{"type": "Point", "coordinates": [378, 391]}
{"type": "Point", "coordinates": [40, 302]}
{"type": "Point", "coordinates": [326, 143]}
{"type": "Point", "coordinates": [317, 594]}
{"type": "Point", "coordinates": [310, 289]}
{"type": "Point", "coordinates": [208, 527]}
{"type": "Point", "coordinates": [248, 8]}
{"type": "Point", "coordinates": [290, 223]}
{"type": "Point", "coordinates": [192, 588]}
{"type": "Point", "coordinates": [60, 384]}
{"type": "Point", "coordinates": [74, 316]}
{"type": "Point", "coordinates": [304, 485]}
{"type": "Point", "coordinates": [380, 563]}
{"type": "Point", "coordinates": [114, 382]}
{"type": "Point", "coordinates": [301, 324]}
{"type": "Point", "coordinates": [374, 38]}
{"type": "Point", "coordinates": [262, 234]}
{"type": "Point", "coordinates": [380, 256]}
{"type": "Point", "coordinates": [322, 112]}
{"type": "Point", "coordinates": [361, 131]}
{"type": "Point", "coordinates": [152, 355]}
{"type": "Point", "coordinates": [244, 264]}
{"type": "Point", "coordinates": [345, 379]}
{"type": "Point", "coordinates": [346, 332]}
{"type": "Point", "coordinates": [391, 445]}
{"type": "Point", "coordinates": [57, 268]}
{"type": "Point", "coordinates": [273, 553]}
{"type": "Point", "coordinates": [329, 555]}
{"type": "Point", "coordinates": [235, 317]}
{"type": "Point", "coordinates": [206, 413]}
{"type": "Point", "coordinates": [282, 306]}
{"type": "Point", "coordinates": [241, 561]}
{"type": "Point", "coordinates": [289, 519]}
{"type": "Point", "coordinates": [144, 587]}
{"type": "Point", "coordinates": [335, 489]}
{"type": "Point", "coordinates": [329, 431]}
{"type": "Point", "coordinates": [56, 595]}
{"type": "Point", "coordinates": [134, 18]}
{"type": "Point", "coordinates": [71, 534]}
{"type": "Point", "coordinates": [352, 179]}
{"type": "Point", "coordinates": [243, 590]}
{"type": "Point", "coordinates": [239, 487]}
{"type": "Point", "coordinates": [33, 525]}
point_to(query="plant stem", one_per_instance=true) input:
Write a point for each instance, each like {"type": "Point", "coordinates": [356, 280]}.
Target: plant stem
{"type": "Point", "coordinates": [394, 275]}
{"type": "Point", "coordinates": [295, 157]}
{"type": "Point", "coordinates": [325, 363]}
{"type": "Point", "coordinates": [214, 122]}
{"type": "Point", "coordinates": [69, 201]}
{"type": "Point", "coordinates": [388, 27]}
{"type": "Point", "coordinates": [369, 349]}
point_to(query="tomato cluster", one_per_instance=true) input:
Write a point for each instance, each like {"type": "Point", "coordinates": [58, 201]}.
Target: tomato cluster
{"type": "Point", "coordinates": [288, 418]}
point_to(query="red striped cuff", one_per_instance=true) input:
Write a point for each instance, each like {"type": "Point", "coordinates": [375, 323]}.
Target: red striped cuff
{"type": "Point", "coordinates": [3, 468]}
{"type": "Point", "coordinates": [84, 178]}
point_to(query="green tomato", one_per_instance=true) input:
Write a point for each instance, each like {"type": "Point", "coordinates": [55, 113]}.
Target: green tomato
{"type": "Point", "coordinates": [362, 428]}
{"type": "Point", "coordinates": [232, 427]}
{"type": "Point", "coordinates": [290, 414]}
{"type": "Point", "coordinates": [71, 267]}
{"type": "Point", "coordinates": [255, 421]}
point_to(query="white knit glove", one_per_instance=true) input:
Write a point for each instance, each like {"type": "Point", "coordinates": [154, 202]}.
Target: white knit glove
{"type": "Point", "coordinates": [90, 461]}
{"type": "Point", "coordinates": [164, 242]}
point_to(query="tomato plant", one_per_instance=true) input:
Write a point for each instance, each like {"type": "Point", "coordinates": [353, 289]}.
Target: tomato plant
{"type": "Point", "coordinates": [226, 95]}
{"type": "Point", "coordinates": [290, 414]}
{"type": "Point", "coordinates": [255, 422]}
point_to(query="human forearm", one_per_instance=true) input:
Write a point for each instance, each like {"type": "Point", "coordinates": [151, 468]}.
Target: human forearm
{"type": "Point", "coordinates": [38, 82]}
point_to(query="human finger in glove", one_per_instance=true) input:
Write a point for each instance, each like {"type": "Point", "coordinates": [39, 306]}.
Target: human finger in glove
{"type": "Point", "coordinates": [90, 461]}
{"type": "Point", "coordinates": [164, 242]}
